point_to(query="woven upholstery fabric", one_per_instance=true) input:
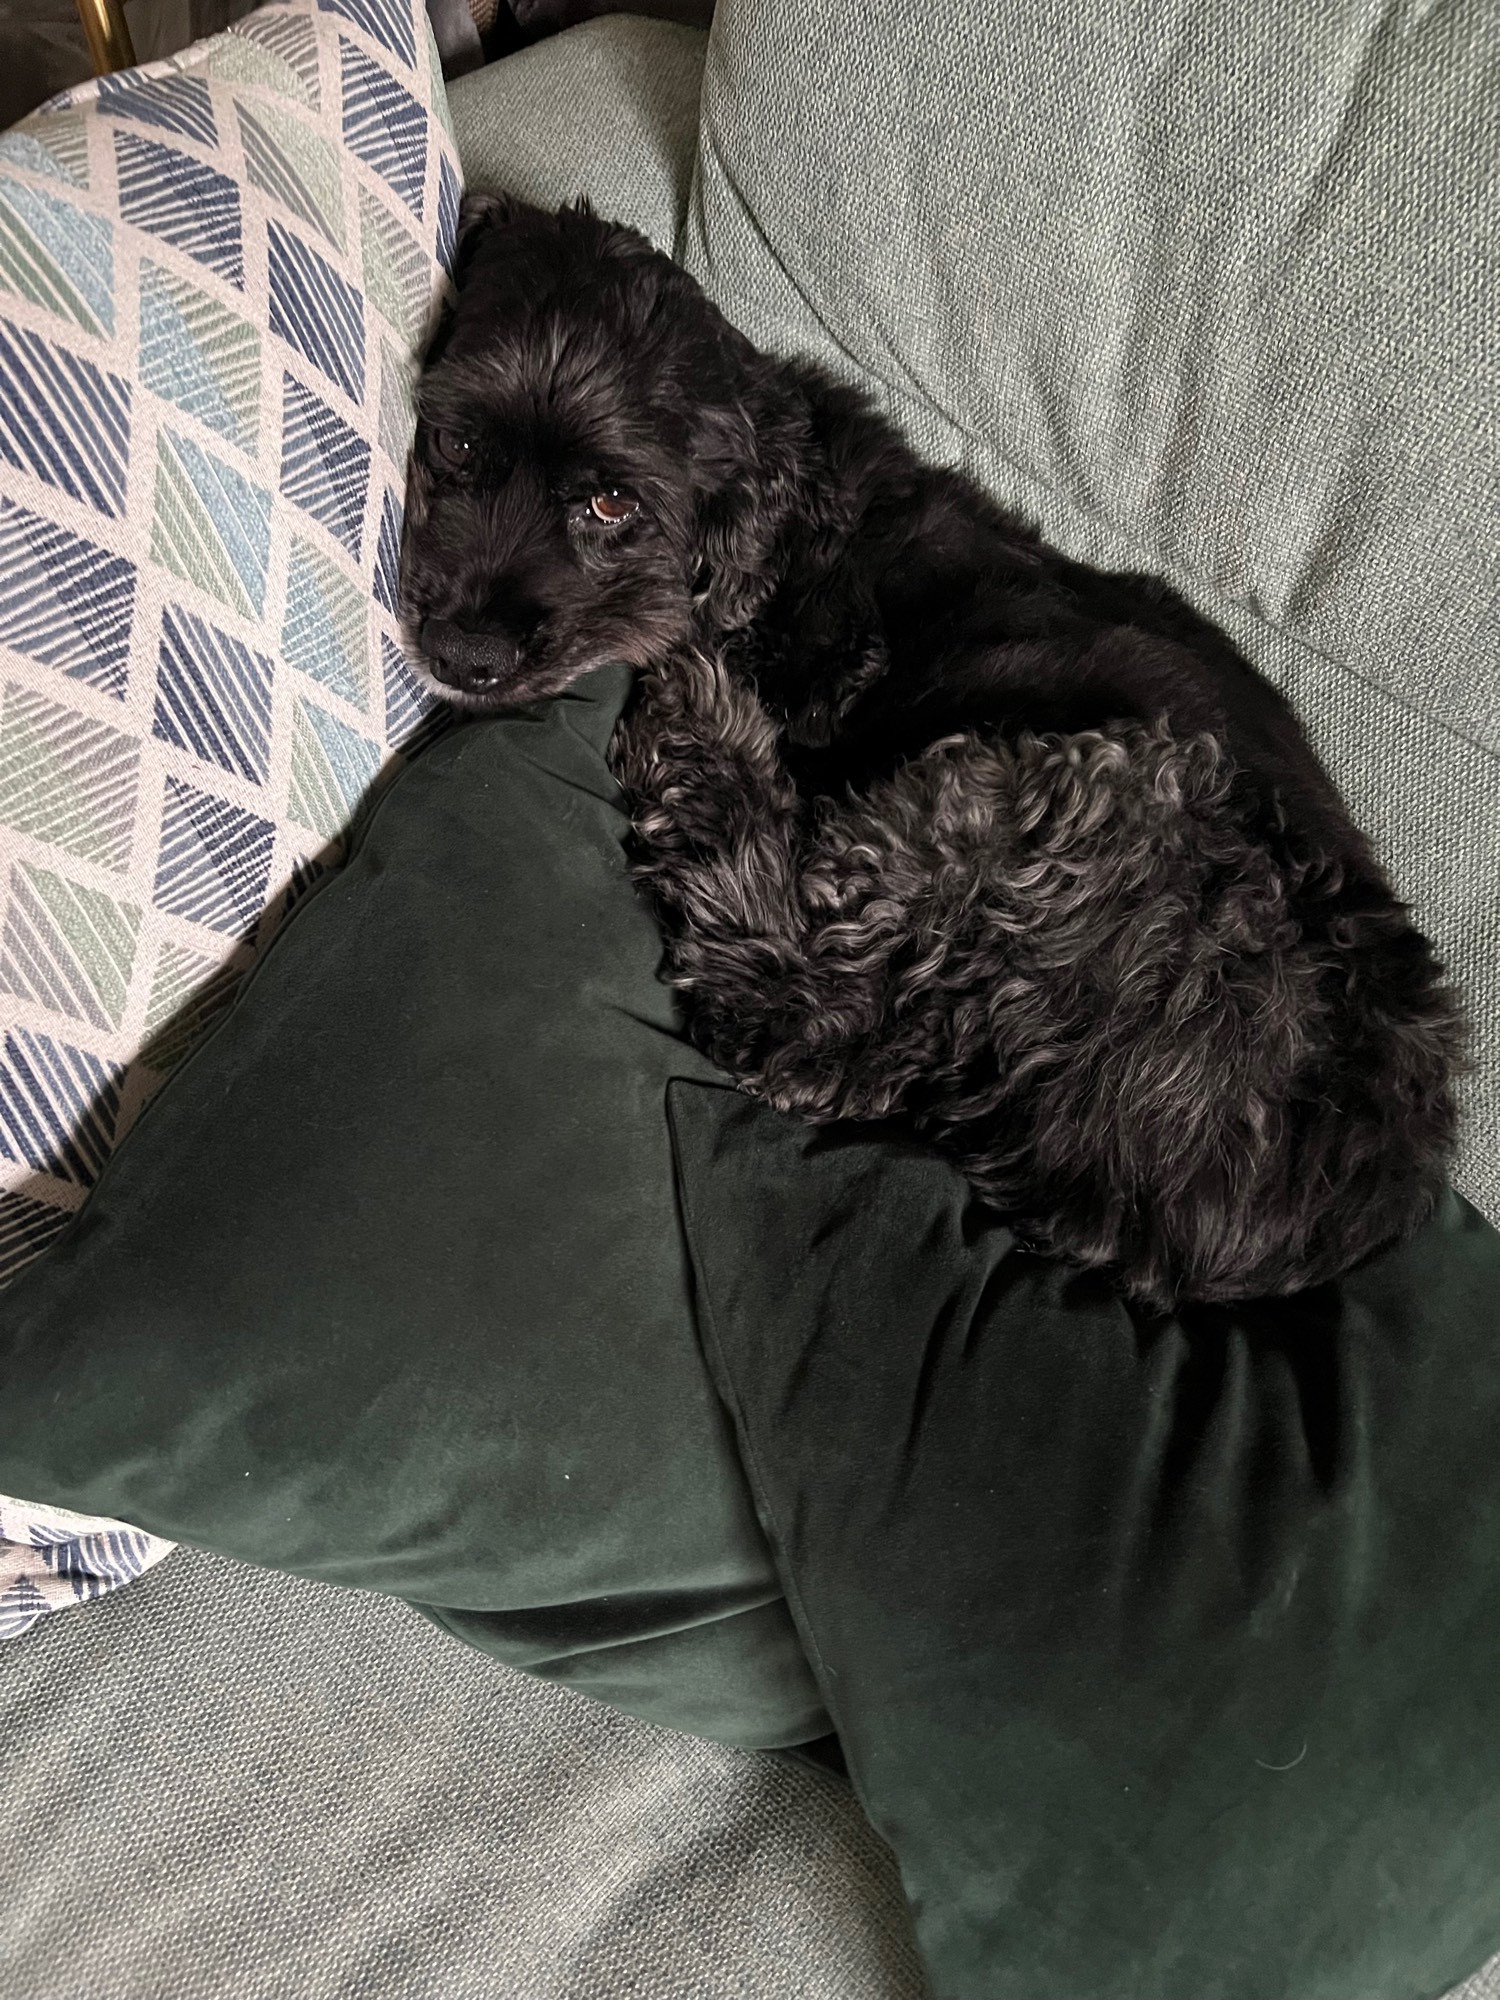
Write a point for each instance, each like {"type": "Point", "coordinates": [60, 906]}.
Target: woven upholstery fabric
{"type": "Point", "coordinates": [1485, 1985]}
{"type": "Point", "coordinates": [273, 1787]}
{"type": "Point", "coordinates": [1204, 290]}
{"type": "Point", "coordinates": [212, 274]}
{"type": "Point", "coordinates": [608, 110]}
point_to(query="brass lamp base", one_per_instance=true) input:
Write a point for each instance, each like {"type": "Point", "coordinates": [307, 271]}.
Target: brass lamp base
{"type": "Point", "coordinates": [108, 37]}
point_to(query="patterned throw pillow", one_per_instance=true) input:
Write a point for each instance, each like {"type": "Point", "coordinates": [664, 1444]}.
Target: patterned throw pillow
{"type": "Point", "coordinates": [213, 272]}
{"type": "Point", "coordinates": [51, 1559]}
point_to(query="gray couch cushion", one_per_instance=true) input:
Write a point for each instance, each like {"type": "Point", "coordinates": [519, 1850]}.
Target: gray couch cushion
{"type": "Point", "coordinates": [1208, 291]}
{"type": "Point", "coordinates": [608, 109]}
{"type": "Point", "coordinates": [222, 1781]}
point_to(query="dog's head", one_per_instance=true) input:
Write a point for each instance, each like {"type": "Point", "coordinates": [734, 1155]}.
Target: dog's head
{"type": "Point", "coordinates": [601, 463]}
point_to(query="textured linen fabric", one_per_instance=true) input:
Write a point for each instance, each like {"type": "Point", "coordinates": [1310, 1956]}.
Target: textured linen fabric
{"type": "Point", "coordinates": [608, 110]}
{"type": "Point", "coordinates": [212, 273]}
{"type": "Point", "coordinates": [1161, 1649]}
{"type": "Point", "coordinates": [387, 1286]}
{"type": "Point", "coordinates": [1207, 290]}
{"type": "Point", "coordinates": [222, 1781]}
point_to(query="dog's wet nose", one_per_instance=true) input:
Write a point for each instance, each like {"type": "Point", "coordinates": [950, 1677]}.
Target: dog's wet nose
{"type": "Point", "coordinates": [444, 670]}
{"type": "Point", "coordinates": [467, 661]}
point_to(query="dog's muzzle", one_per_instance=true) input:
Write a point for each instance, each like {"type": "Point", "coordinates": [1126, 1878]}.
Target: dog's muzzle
{"type": "Point", "coordinates": [469, 662]}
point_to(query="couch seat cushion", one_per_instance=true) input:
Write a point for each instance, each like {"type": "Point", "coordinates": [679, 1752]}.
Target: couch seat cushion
{"type": "Point", "coordinates": [1206, 291]}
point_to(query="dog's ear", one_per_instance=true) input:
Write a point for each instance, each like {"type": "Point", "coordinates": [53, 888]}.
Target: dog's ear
{"type": "Point", "coordinates": [476, 214]}
{"type": "Point", "coordinates": [736, 545]}
{"type": "Point", "coordinates": [747, 454]}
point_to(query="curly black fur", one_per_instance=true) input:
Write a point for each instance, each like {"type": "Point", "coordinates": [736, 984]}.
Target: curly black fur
{"type": "Point", "coordinates": [940, 826]}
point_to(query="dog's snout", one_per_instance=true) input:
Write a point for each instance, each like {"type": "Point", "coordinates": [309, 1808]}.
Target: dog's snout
{"type": "Point", "coordinates": [466, 659]}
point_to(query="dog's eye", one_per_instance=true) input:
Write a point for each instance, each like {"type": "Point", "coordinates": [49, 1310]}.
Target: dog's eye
{"type": "Point", "coordinates": [453, 449]}
{"type": "Point", "coordinates": [613, 507]}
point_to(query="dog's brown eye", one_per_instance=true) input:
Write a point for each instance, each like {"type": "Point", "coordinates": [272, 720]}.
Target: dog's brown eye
{"type": "Point", "coordinates": [452, 449]}
{"type": "Point", "coordinates": [613, 507]}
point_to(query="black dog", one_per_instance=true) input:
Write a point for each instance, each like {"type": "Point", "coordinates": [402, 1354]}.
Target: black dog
{"type": "Point", "coordinates": [940, 826]}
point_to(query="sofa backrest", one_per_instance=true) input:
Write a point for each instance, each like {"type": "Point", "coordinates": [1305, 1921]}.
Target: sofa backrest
{"type": "Point", "coordinates": [1210, 290]}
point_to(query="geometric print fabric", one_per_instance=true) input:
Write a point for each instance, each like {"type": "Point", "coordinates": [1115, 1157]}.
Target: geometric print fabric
{"type": "Point", "coordinates": [50, 1559]}
{"type": "Point", "coordinates": [213, 275]}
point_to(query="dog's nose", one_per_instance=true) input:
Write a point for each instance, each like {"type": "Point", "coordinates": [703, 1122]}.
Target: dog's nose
{"type": "Point", "coordinates": [467, 661]}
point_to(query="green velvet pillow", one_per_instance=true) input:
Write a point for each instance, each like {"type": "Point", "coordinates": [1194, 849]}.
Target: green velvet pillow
{"type": "Point", "coordinates": [1166, 1654]}
{"type": "Point", "coordinates": [388, 1287]}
